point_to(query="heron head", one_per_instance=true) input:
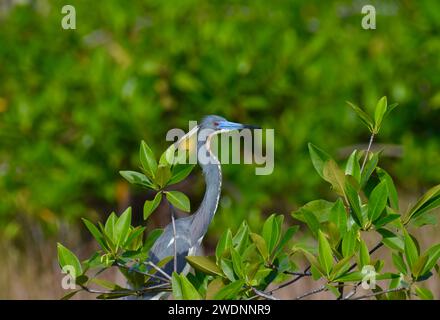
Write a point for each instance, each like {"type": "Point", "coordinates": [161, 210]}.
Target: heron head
{"type": "Point", "coordinates": [218, 123]}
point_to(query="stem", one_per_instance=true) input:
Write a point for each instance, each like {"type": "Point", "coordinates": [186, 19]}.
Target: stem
{"type": "Point", "coordinates": [367, 152]}
{"type": "Point", "coordinates": [262, 294]}
{"type": "Point", "coordinates": [288, 283]}
{"type": "Point", "coordinates": [140, 272]}
{"type": "Point", "coordinates": [166, 275]}
{"type": "Point", "coordinates": [378, 293]}
{"type": "Point", "coordinates": [159, 287]}
{"type": "Point", "coordinates": [302, 274]}
{"type": "Point", "coordinates": [320, 289]}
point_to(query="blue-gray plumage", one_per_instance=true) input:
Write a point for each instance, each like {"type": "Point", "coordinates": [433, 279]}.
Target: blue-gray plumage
{"type": "Point", "coordinates": [191, 230]}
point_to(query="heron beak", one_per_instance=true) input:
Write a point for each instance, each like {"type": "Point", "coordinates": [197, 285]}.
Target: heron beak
{"type": "Point", "coordinates": [227, 125]}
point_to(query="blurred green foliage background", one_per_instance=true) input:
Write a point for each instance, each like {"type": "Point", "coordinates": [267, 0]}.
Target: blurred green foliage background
{"type": "Point", "coordinates": [74, 104]}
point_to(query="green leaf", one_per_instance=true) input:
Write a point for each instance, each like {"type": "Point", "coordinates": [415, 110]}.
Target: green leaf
{"type": "Point", "coordinates": [110, 226]}
{"type": "Point", "coordinates": [381, 109]}
{"type": "Point", "coordinates": [350, 277]}
{"type": "Point", "coordinates": [179, 200]}
{"type": "Point", "coordinates": [213, 288]}
{"type": "Point", "coordinates": [425, 219]}
{"type": "Point", "coordinates": [392, 192]}
{"type": "Point", "coordinates": [341, 267]}
{"type": "Point", "coordinates": [272, 231]}
{"type": "Point", "coordinates": [399, 263]}
{"type": "Point", "coordinates": [229, 291]}
{"type": "Point", "coordinates": [223, 245]}
{"type": "Point", "coordinates": [319, 157]}
{"type": "Point", "coordinates": [432, 195]}
{"type": "Point", "coordinates": [204, 264]}
{"type": "Point", "coordinates": [363, 116]}
{"type": "Point", "coordinates": [338, 216]}
{"type": "Point", "coordinates": [106, 296]}
{"type": "Point", "coordinates": [135, 237]}
{"type": "Point", "coordinates": [176, 286]}
{"type": "Point", "coordinates": [385, 220]}
{"type": "Point", "coordinates": [355, 205]}
{"type": "Point", "coordinates": [163, 175]}
{"type": "Point", "coordinates": [237, 263]}
{"type": "Point", "coordinates": [148, 161]}
{"type": "Point", "coordinates": [96, 233]}
{"type": "Point", "coordinates": [106, 284]}
{"type": "Point", "coordinates": [333, 290]}
{"type": "Point", "coordinates": [319, 208]}
{"type": "Point", "coordinates": [180, 172]}
{"type": "Point", "coordinates": [188, 290]}
{"type": "Point", "coordinates": [364, 255]}
{"type": "Point", "coordinates": [419, 265]}
{"type": "Point", "coordinates": [168, 157]}
{"type": "Point", "coordinates": [313, 261]}
{"type": "Point", "coordinates": [260, 275]}
{"type": "Point", "coordinates": [285, 239]}
{"type": "Point", "coordinates": [390, 108]}
{"type": "Point", "coordinates": [369, 168]}
{"type": "Point", "coordinates": [151, 239]}
{"type": "Point", "coordinates": [325, 257]}
{"type": "Point", "coordinates": [137, 178]}
{"type": "Point", "coordinates": [349, 242]}
{"type": "Point", "coordinates": [150, 206]}
{"type": "Point", "coordinates": [433, 254]}
{"type": "Point", "coordinates": [377, 201]}
{"type": "Point", "coordinates": [241, 238]}
{"type": "Point", "coordinates": [423, 293]}
{"type": "Point", "coordinates": [411, 253]}
{"type": "Point", "coordinates": [68, 258]}
{"type": "Point", "coordinates": [391, 240]}
{"type": "Point", "coordinates": [352, 167]}
{"type": "Point", "coordinates": [311, 221]}
{"type": "Point", "coordinates": [69, 295]}
{"type": "Point", "coordinates": [261, 245]}
{"type": "Point", "coordinates": [227, 269]}
{"type": "Point", "coordinates": [335, 176]}
{"type": "Point", "coordinates": [122, 227]}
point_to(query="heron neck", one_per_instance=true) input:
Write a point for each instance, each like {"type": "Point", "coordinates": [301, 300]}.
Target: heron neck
{"type": "Point", "coordinates": [213, 180]}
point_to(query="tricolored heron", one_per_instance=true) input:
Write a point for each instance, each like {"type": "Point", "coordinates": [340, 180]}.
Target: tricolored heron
{"type": "Point", "coordinates": [190, 230]}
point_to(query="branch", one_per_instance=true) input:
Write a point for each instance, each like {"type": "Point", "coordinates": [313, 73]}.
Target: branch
{"type": "Point", "coordinates": [302, 274]}
{"type": "Point", "coordinates": [367, 152]}
{"type": "Point", "coordinates": [262, 294]}
{"type": "Point", "coordinates": [154, 276]}
{"type": "Point", "coordinates": [166, 275]}
{"type": "Point", "coordinates": [379, 293]}
{"type": "Point", "coordinates": [288, 283]}
{"type": "Point", "coordinates": [315, 291]}
{"type": "Point", "coordinates": [159, 287]}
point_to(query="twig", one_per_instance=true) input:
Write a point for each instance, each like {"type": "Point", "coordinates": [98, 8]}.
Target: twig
{"type": "Point", "coordinates": [315, 291]}
{"type": "Point", "coordinates": [262, 294]}
{"type": "Point", "coordinates": [141, 272]}
{"type": "Point", "coordinates": [367, 152]}
{"type": "Point", "coordinates": [352, 292]}
{"type": "Point", "coordinates": [302, 274]}
{"type": "Point", "coordinates": [166, 275]}
{"type": "Point", "coordinates": [288, 283]}
{"type": "Point", "coordinates": [378, 293]}
{"type": "Point", "coordinates": [160, 287]}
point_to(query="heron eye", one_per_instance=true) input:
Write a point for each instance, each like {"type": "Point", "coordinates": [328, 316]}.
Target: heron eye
{"type": "Point", "coordinates": [216, 123]}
